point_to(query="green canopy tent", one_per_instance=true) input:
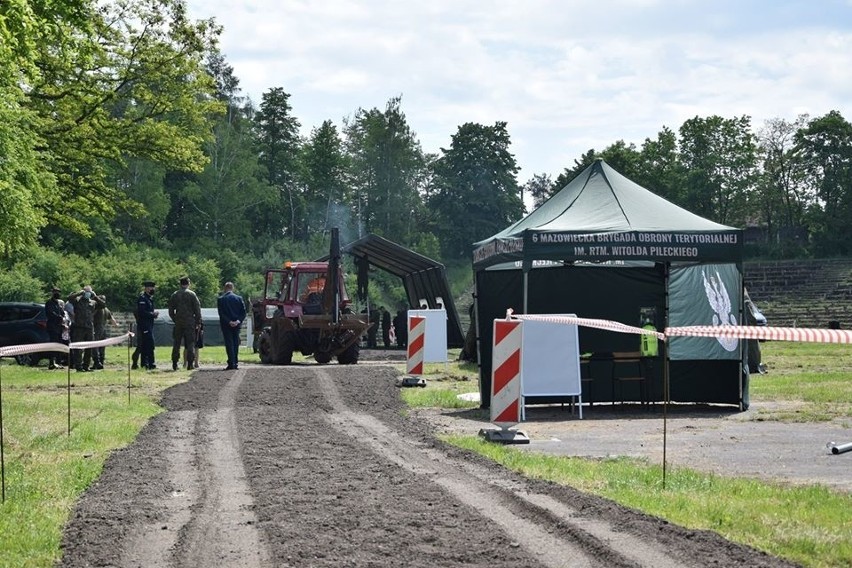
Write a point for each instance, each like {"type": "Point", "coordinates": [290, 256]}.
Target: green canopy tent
{"type": "Point", "coordinates": [604, 247]}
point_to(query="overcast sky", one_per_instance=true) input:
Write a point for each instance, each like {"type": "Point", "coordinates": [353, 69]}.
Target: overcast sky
{"type": "Point", "coordinates": [566, 76]}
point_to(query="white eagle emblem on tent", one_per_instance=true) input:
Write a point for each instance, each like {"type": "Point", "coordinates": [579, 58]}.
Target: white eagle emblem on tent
{"type": "Point", "coordinates": [720, 301]}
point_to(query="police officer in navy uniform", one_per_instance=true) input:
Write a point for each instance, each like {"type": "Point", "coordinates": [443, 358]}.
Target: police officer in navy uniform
{"type": "Point", "coordinates": [146, 315]}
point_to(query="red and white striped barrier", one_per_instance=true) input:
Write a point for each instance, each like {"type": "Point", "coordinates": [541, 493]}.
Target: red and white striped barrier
{"type": "Point", "coordinates": [586, 322]}
{"type": "Point", "coordinates": [506, 373]}
{"type": "Point", "coordinates": [14, 350]}
{"type": "Point", "coordinates": [416, 343]}
{"type": "Point", "coordinates": [803, 334]}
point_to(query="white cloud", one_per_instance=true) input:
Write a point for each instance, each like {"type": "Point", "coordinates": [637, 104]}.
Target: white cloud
{"type": "Point", "coordinates": [565, 76]}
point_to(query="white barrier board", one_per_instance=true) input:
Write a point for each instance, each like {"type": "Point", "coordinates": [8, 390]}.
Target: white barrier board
{"type": "Point", "coordinates": [551, 362]}
{"type": "Point", "coordinates": [435, 346]}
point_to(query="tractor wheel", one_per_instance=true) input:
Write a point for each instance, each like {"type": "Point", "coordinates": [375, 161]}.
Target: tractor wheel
{"type": "Point", "coordinates": [350, 355]}
{"type": "Point", "coordinates": [265, 347]}
{"type": "Point", "coordinates": [284, 349]}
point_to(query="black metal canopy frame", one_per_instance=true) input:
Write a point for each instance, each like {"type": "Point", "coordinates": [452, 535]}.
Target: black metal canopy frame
{"type": "Point", "coordinates": [424, 279]}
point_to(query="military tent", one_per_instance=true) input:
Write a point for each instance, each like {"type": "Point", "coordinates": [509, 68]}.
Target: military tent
{"type": "Point", "coordinates": [604, 247]}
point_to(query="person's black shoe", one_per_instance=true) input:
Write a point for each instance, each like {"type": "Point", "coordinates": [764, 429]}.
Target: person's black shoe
{"type": "Point", "coordinates": [97, 367]}
{"type": "Point", "coordinates": [151, 367]}
{"type": "Point", "coordinates": [174, 365]}
{"type": "Point", "coordinates": [82, 370]}
{"type": "Point", "coordinates": [134, 366]}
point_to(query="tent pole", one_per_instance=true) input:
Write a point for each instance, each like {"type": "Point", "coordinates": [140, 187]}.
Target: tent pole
{"type": "Point", "coordinates": [743, 352]}
{"type": "Point", "coordinates": [526, 290]}
{"type": "Point", "coordinates": [666, 270]}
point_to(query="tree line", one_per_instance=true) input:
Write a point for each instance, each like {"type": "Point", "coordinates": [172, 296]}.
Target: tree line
{"type": "Point", "coordinates": [123, 130]}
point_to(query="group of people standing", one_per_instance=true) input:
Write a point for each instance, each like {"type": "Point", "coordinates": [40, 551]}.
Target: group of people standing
{"type": "Point", "coordinates": [184, 309]}
{"type": "Point", "coordinates": [84, 316]}
{"type": "Point", "coordinates": [393, 330]}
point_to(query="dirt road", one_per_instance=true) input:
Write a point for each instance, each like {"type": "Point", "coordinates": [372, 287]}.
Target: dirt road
{"type": "Point", "coordinates": [320, 466]}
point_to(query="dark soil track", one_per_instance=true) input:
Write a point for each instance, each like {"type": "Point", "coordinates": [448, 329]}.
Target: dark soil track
{"type": "Point", "coordinates": [320, 466]}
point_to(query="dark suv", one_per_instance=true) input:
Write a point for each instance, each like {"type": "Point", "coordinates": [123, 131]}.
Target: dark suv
{"type": "Point", "coordinates": [22, 323]}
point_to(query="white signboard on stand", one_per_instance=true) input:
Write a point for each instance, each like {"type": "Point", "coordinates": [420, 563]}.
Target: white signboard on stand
{"type": "Point", "coordinates": [435, 348]}
{"type": "Point", "coordinates": [551, 360]}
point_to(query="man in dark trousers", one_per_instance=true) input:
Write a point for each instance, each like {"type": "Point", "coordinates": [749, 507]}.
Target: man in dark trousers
{"type": "Point", "coordinates": [386, 325]}
{"type": "Point", "coordinates": [146, 314]}
{"type": "Point", "coordinates": [54, 308]}
{"type": "Point", "coordinates": [85, 301]}
{"type": "Point", "coordinates": [400, 324]}
{"type": "Point", "coordinates": [103, 317]}
{"type": "Point", "coordinates": [232, 314]}
{"type": "Point", "coordinates": [185, 311]}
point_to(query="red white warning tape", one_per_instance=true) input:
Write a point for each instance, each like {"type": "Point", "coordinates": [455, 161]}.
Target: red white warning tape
{"type": "Point", "coordinates": [586, 322]}
{"type": "Point", "coordinates": [774, 333]}
{"type": "Point", "coordinates": [13, 350]}
{"type": "Point", "coordinates": [734, 331]}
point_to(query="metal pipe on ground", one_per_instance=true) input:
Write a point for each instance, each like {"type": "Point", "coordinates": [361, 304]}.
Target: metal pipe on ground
{"type": "Point", "coordinates": [839, 448]}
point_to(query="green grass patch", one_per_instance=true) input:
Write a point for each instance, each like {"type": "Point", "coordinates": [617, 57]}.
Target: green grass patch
{"type": "Point", "coordinates": [809, 525]}
{"type": "Point", "coordinates": [813, 376]}
{"type": "Point", "coordinates": [47, 468]}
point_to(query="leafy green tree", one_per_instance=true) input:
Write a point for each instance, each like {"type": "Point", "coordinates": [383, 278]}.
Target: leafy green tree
{"type": "Point", "coordinates": [279, 144]}
{"type": "Point", "coordinates": [659, 169]}
{"type": "Point", "coordinates": [25, 184]}
{"type": "Point", "coordinates": [387, 169]}
{"type": "Point", "coordinates": [211, 208]}
{"type": "Point", "coordinates": [143, 181]}
{"type": "Point", "coordinates": [324, 167]}
{"type": "Point", "coordinates": [540, 188]}
{"type": "Point", "coordinates": [825, 148]}
{"type": "Point", "coordinates": [783, 194]}
{"type": "Point", "coordinates": [128, 84]}
{"type": "Point", "coordinates": [475, 188]}
{"type": "Point", "coordinates": [720, 158]}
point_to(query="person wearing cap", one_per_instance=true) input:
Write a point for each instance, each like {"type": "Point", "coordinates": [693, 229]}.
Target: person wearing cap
{"type": "Point", "coordinates": [232, 314]}
{"type": "Point", "coordinates": [146, 314]}
{"type": "Point", "coordinates": [185, 311]}
{"type": "Point", "coordinates": [103, 316]}
{"type": "Point", "coordinates": [85, 301]}
{"type": "Point", "coordinates": [54, 309]}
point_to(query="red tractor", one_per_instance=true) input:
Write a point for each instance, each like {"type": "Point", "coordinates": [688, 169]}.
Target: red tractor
{"type": "Point", "coordinates": [305, 308]}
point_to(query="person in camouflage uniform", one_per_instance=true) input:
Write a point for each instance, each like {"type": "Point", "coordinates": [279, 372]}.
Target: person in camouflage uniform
{"type": "Point", "coordinates": [103, 316]}
{"type": "Point", "coordinates": [185, 311]}
{"type": "Point", "coordinates": [84, 302]}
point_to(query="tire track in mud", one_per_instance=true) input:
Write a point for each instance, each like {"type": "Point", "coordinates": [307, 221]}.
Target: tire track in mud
{"type": "Point", "coordinates": [584, 541]}
{"type": "Point", "coordinates": [209, 514]}
{"type": "Point", "coordinates": [222, 531]}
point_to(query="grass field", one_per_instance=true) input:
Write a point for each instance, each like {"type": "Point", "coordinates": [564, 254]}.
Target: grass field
{"type": "Point", "coordinates": [47, 468]}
